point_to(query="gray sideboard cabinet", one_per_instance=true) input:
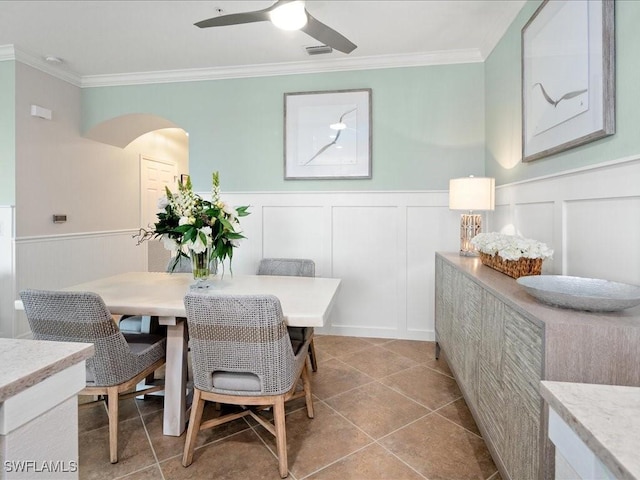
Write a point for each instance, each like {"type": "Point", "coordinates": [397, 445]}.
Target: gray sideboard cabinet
{"type": "Point", "coordinates": [500, 343]}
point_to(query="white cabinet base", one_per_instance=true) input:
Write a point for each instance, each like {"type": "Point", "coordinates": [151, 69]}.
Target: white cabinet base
{"type": "Point", "coordinates": [574, 459]}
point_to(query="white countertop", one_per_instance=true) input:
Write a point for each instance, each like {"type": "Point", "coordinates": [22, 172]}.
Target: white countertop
{"type": "Point", "coordinates": [605, 417]}
{"type": "Point", "coordinates": [27, 362]}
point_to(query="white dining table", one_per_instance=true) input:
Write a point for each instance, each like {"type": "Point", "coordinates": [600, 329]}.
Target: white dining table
{"type": "Point", "coordinates": [306, 302]}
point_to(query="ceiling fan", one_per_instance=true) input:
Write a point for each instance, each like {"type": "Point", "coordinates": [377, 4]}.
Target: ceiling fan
{"type": "Point", "coordinates": [288, 15]}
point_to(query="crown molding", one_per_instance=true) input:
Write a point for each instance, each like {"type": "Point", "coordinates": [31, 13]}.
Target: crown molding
{"type": "Point", "coordinates": [10, 52]}
{"type": "Point", "coordinates": [7, 53]}
{"type": "Point", "coordinates": [291, 68]}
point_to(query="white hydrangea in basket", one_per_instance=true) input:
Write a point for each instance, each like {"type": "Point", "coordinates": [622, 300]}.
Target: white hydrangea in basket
{"type": "Point", "coordinates": [511, 254]}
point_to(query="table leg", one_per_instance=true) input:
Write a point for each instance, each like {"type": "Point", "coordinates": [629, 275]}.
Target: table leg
{"type": "Point", "coordinates": [175, 402]}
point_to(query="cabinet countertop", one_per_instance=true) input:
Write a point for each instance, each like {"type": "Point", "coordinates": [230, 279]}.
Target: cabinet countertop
{"type": "Point", "coordinates": [27, 362]}
{"type": "Point", "coordinates": [513, 294]}
{"type": "Point", "coordinates": [605, 417]}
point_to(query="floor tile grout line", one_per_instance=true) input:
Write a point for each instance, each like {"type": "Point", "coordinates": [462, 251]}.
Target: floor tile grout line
{"type": "Point", "coordinates": [400, 459]}
{"type": "Point", "coordinates": [371, 441]}
{"type": "Point", "coordinates": [446, 418]}
{"type": "Point", "coordinates": [146, 431]}
{"type": "Point", "coordinates": [338, 460]}
{"type": "Point", "coordinates": [377, 441]}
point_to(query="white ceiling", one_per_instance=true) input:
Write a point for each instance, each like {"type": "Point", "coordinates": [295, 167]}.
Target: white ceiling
{"type": "Point", "coordinates": [107, 41]}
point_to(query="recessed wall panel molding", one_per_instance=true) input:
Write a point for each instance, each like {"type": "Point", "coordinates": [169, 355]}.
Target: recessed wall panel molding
{"type": "Point", "coordinates": [536, 220]}
{"type": "Point", "coordinates": [602, 239]}
{"type": "Point", "coordinates": [588, 216]}
{"type": "Point", "coordinates": [429, 229]}
{"type": "Point", "coordinates": [294, 232]}
{"type": "Point", "coordinates": [382, 245]}
{"type": "Point", "coordinates": [365, 256]}
{"type": "Point", "coordinates": [55, 262]}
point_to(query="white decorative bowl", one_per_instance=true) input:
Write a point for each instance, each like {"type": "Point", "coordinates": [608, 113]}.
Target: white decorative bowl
{"type": "Point", "coordinates": [580, 293]}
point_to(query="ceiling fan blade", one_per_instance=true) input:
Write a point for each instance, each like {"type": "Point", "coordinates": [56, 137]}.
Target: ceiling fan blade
{"type": "Point", "coordinates": [236, 18]}
{"type": "Point", "coordinates": [327, 35]}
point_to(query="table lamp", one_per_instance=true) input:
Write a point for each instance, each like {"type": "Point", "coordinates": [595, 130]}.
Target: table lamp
{"type": "Point", "coordinates": [471, 193]}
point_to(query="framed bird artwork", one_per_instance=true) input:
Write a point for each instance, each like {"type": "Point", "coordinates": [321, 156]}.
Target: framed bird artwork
{"type": "Point", "coordinates": [568, 84]}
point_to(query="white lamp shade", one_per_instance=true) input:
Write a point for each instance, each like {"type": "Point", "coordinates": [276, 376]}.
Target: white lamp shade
{"type": "Point", "coordinates": [472, 193]}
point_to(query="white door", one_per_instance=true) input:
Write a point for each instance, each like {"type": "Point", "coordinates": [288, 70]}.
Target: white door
{"type": "Point", "coordinates": [155, 175]}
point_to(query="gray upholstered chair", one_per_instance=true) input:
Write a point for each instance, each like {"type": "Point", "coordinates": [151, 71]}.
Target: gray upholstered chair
{"type": "Point", "coordinates": [293, 267]}
{"type": "Point", "coordinates": [146, 323]}
{"type": "Point", "coordinates": [242, 355]}
{"type": "Point", "coordinates": [120, 361]}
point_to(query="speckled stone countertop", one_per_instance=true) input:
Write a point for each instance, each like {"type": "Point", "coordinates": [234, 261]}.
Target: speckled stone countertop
{"type": "Point", "coordinates": [605, 417]}
{"type": "Point", "coordinates": [27, 362]}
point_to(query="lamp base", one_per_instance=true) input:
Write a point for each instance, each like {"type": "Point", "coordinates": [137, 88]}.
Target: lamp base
{"type": "Point", "coordinates": [470, 226]}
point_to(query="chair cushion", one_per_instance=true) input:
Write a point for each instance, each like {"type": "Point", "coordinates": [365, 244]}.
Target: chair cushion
{"type": "Point", "coordinates": [236, 381]}
{"type": "Point", "coordinates": [140, 343]}
{"type": "Point", "coordinates": [131, 324]}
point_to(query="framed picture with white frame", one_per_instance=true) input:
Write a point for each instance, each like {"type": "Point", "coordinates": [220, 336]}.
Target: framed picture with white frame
{"type": "Point", "coordinates": [568, 76]}
{"type": "Point", "coordinates": [327, 135]}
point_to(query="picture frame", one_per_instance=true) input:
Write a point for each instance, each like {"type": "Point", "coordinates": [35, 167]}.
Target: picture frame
{"type": "Point", "coordinates": [568, 76]}
{"type": "Point", "coordinates": [327, 135]}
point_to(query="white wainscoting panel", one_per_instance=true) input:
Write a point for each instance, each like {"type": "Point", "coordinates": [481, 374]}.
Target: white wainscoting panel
{"type": "Point", "coordinates": [590, 217]}
{"type": "Point", "coordinates": [6, 271]}
{"type": "Point", "coordinates": [295, 232]}
{"type": "Point", "coordinates": [54, 262]}
{"type": "Point", "coordinates": [366, 258]}
{"type": "Point", "coordinates": [382, 244]}
{"type": "Point", "coordinates": [429, 229]}
{"type": "Point", "coordinates": [616, 238]}
{"type": "Point", "coordinates": [535, 220]}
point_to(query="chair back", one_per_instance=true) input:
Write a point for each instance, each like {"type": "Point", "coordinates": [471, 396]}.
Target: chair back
{"type": "Point", "coordinates": [179, 264]}
{"type": "Point", "coordinates": [288, 267]}
{"type": "Point", "coordinates": [81, 317]}
{"type": "Point", "coordinates": [240, 334]}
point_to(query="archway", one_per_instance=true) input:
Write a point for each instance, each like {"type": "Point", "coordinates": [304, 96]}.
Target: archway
{"type": "Point", "coordinates": [162, 148]}
{"type": "Point", "coordinates": [121, 131]}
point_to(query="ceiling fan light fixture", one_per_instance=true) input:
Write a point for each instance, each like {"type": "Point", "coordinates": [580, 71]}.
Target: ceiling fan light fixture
{"type": "Point", "coordinates": [290, 16]}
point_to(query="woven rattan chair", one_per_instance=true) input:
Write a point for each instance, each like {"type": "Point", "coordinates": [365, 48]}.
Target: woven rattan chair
{"type": "Point", "coordinates": [293, 267]}
{"type": "Point", "coordinates": [120, 361]}
{"type": "Point", "coordinates": [242, 355]}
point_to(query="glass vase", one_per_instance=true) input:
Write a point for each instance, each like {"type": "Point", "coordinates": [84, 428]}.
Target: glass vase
{"type": "Point", "coordinates": [201, 267]}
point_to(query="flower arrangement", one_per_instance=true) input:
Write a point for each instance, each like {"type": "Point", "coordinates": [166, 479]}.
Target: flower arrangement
{"type": "Point", "coordinates": [510, 247]}
{"type": "Point", "coordinates": [190, 225]}
{"type": "Point", "coordinates": [512, 255]}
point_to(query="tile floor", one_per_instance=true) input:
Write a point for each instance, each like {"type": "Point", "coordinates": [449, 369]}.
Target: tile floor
{"type": "Point", "coordinates": [384, 409]}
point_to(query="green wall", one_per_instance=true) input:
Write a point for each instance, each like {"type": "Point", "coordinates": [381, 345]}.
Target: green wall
{"type": "Point", "coordinates": [428, 125]}
{"type": "Point", "coordinates": [503, 104]}
{"type": "Point", "coordinates": [7, 133]}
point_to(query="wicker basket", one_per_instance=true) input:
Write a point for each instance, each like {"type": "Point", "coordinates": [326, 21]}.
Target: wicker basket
{"type": "Point", "coordinates": [514, 268]}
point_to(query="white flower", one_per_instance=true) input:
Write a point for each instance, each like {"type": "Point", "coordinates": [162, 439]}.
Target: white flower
{"type": "Point", "coordinates": [163, 202]}
{"type": "Point", "coordinates": [510, 247]}
{"type": "Point", "coordinates": [186, 221]}
{"type": "Point", "coordinates": [169, 243]}
{"type": "Point", "coordinates": [202, 241]}
{"type": "Point", "coordinates": [229, 210]}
